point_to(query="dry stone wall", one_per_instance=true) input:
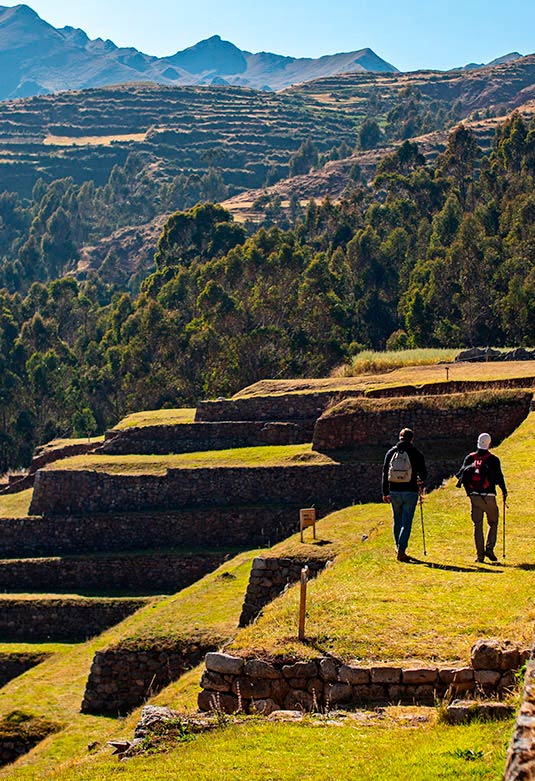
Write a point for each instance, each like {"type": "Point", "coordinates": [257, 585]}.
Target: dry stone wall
{"type": "Point", "coordinates": [124, 676]}
{"type": "Point", "coordinates": [521, 754]}
{"type": "Point", "coordinates": [349, 426]}
{"type": "Point", "coordinates": [192, 437]}
{"type": "Point", "coordinates": [13, 665]}
{"type": "Point", "coordinates": [451, 386]}
{"type": "Point", "coordinates": [283, 407]}
{"type": "Point", "coordinates": [61, 620]}
{"type": "Point", "coordinates": [232, 683]}
{"type": "Point", "coordinates": [269, 577]}
{"type": "Point", "coordinates": [143, 574]}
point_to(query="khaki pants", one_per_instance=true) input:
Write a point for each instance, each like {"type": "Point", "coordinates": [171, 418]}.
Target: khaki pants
{"type": "Point", "coordinates": [482, 505]}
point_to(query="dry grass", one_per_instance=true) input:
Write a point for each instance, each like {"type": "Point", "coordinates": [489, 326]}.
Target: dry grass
{"type": "Point", "coordinates": [15, 505]}
{"type": "Point", "coordinates": [158, 417]}
{"type": "Point", "coordinates": [52, 140]}
{"type": "Point", "coordinates": [270, 455]}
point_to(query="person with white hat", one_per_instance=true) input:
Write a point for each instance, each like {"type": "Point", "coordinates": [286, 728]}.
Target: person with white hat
{"type": "Point", "coordinates": [480, 473]}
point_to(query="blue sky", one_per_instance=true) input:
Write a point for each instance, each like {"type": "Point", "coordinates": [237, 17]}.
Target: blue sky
{"type": "Point", "coordinates": [410, 34]}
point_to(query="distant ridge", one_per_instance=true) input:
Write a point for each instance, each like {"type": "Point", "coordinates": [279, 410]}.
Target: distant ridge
{"type": "Point", "coordinates": [37, 58]}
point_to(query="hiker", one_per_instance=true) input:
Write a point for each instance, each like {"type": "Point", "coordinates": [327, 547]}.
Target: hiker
{"type": "Point", "coordinates": [480, 473]}
{"type": "Point", "coordinates": [404, 474]}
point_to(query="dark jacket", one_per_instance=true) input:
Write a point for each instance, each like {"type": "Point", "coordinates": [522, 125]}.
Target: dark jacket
{"type": "Point", "coordinates": [419, 471]}
{"type": "Point", "coordinates": [494, 471]}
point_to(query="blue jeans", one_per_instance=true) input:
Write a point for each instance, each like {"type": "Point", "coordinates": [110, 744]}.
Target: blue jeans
{"type": "Point", "coordinates": [403, 507]}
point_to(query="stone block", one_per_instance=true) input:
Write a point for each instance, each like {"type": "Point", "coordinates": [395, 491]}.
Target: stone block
{"type": "Point", "coordinates": [465, 711]}
{"type": "Point", "coordinates": [224, 663]}
{"type": "Point", "coordinates": [425, 694]}
{"type": "Point", "coordinates": [278, 690]}
{"type": "Point", "coordinates": [507, 682]}
{"type": "Point", "coordinates": [216, 701]}
{"type": "Point", "coordinates": [264, 707]}
{"type": "Point", "coordinates": [486, 655]}
{"type": "Point", "coordinates": [487, 679]}
{"type": "Point", "coordinates": [315, 685]}
{"type": "Point", "coordinates": [259, 563]}
{"type": "Point", "coordinates": [419, 676]}
{"type": "Point", "coordinates": [336, 693]}
{"type": "Point", "coordinates": [214, 682]}
{"type": "Point", "coordinates": [297, 699]}
{"type": "Point", "coordinates": [370, 693]}
{"type": "Point", "coordinates": [510, 658]}
{"type": "Point", "coordinates": [386, 675]}
{"type": "Point", "coordinates": [353, 674]}
{"type": "Point", "coordinates": [257, 668]}
{"type": "Point", "coordinates": [328, 669]}
{"type": "Point", "coordinates": [250, 688]}
{"type": "Point", "coordinates": [300, 670]}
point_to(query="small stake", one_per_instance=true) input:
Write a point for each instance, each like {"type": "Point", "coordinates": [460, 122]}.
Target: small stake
{"type": "Point", "coordinates": [303, 603]}
{"type": "Point", "coordinates": [422, 517]}
{"type": "Point", "coordinates": [504, 506]}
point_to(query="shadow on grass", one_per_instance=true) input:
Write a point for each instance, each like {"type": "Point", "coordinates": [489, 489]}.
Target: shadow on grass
{"type": "Point", "coordinates": [525, 566]}
{"type": "Point", "coordinates": [455, 568]}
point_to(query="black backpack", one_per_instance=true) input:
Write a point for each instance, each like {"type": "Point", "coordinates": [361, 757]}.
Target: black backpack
{"type": "Point", "coordinates": [476, 477]}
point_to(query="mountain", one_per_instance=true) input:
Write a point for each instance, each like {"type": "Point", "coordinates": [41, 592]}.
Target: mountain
{"type": "Point", "coordinates": [37, 58]}
{"type": "Point", "coordinates": [511, 57]}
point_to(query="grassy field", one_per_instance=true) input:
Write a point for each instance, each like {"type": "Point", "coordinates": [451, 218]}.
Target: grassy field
{"type": "Point", "coordinates": [157, 417]}
{"type": "Point", "coordinates": [371, 607]}
{"type": "Point", "coordinates": [270, 455]}
{"type": "Point", "coordinates": [51, 140]}
{"type": "Point", "coordinates": [369, 361]}
{"type": "Point", "coordinates": [15, 505]}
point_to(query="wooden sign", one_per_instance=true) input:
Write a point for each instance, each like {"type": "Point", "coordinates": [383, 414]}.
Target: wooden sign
{"type": "Point", "coordinates": [307, 517]}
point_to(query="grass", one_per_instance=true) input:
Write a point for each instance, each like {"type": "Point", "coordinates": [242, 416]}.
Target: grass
{"type": "Point", "coordinates": [385, 745]}
{"type": "Point", "coordinates": [52, 140]}
{"type": "Point", "coordinates": [157, 417]}
{"type": "Point", "coordinates": [369, 607]}
{"type": "Point", "coordinates": [270, 455]}
{"type": "Point", "coordinates": [15, 505]}
{"type": "Point", "coordinates": [59, 443]}
{"type": "Point", "coordinates": [372, 362]}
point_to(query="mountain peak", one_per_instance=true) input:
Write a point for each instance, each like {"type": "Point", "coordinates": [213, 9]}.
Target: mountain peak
{"type": "Point", "coordinates": [211, 54]}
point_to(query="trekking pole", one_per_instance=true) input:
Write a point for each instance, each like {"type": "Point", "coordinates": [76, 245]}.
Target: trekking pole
{"type": "Point", "coordinates": [420, 493]}
{"type": "Point", "coordinates": [504, 506]}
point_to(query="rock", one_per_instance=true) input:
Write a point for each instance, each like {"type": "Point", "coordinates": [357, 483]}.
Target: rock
{"type": "Point", "coordinates": [286, 715]}
{"type": "Point", "coordinates": [278, 690]}
{"type": "Point", "coordinates": [216, 701]}
{"type": "Point", "coordinates": [214, 682]}
{"type": "Point", "coordinates": [486, 655]}
{"type": "Point", "coordinates": [328, 670]}
{"type": "Point", "coordinates": [224, 663]}
{"type": "Point", "coordinates": [385, 674]}
{"type": "Point", "coordinates": [369, 693]}
{"type": "Point", "coordinates": [249, 688]}
{"type": "Point", "coordinates": [152, 715]}
{"type": "Point", "coordinates": [259, 563]}
{"type": "Point", "coordinates": [487, 679]}
{"type": "Point", "coordinates": [336, 693]}
{"type": "Point", "coordinates": [507, 682]}
{"type": "Point", "coordinates": [257, 668]}
{"type": "Point", "coordinates": [265, 707]}
{"type": "Point", "coordinates": [478, 354]}
{"type": "Point", "coordinates": [354, 675]}
{"type": "Point", "coordinates": [420, 676]}
{"type": "Point", "coordinates": [300, 670]}
{"type": "Point", "coordinates": [510, 657]}
{"type": "Point", "coordinates": [298, 700]}
{"type": "Point", "coordinates": [465, 711]}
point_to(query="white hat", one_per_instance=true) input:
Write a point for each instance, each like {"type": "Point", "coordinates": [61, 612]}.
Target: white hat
{"type": "Point", "coordinates": [483, 441]}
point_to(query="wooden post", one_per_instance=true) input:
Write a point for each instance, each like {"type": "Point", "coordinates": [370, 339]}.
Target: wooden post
{"type": "Point", "coordinates": [307, 517]}
{"type": "Point", "coordinates": [303, 603]}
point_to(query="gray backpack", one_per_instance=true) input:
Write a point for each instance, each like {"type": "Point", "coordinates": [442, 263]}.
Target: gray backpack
{"type": "Point", "coordinates": [400, 468]}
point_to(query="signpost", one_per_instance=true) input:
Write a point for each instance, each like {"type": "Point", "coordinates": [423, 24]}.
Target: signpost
{"type": "Point", "coordinates": [307, 517]}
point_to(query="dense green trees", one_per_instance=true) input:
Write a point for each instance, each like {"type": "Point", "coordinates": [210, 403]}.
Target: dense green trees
{"type": "Point", "coordinates": [426, 255]}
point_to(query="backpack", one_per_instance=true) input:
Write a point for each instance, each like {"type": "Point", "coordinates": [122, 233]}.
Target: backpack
{"type": "Point", "coordinates": [476, 476]}
{"type": "Point", "coordinates": [400, 467]}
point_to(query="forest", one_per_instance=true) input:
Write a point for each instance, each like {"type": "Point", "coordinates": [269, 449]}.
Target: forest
{"type": "Point", "coordinates": [438, 254]}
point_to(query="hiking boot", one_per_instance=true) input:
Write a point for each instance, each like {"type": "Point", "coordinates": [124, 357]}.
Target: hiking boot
{"type": "Point", "coordinates": [491, 555]}
{"type": "Point", "coordinates": [402, 556]}
{"type": "Point", "coordinates": [479, 559]}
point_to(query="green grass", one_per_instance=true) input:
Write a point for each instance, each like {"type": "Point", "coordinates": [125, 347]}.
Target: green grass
{"type": "Point", "coordinates": [385, 745]}
{"type": "Point", "coordinates": [370, 607]}
{"type": "Point", "coordinates": [157, 417]}
{"type": "Point", "coordinates": [59, 443]}
{"type": "Point", "coordinates": [15, 505]}
{"type": "Point", "coordinates": [270, 455]}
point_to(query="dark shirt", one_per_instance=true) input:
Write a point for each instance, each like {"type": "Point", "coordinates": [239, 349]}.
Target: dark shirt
{"type": "Point", "coordinates": [494, 470]}
{"type": "Point", "coordinates": [419, 471]}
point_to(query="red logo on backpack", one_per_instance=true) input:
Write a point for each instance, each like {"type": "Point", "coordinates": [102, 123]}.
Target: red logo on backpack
{"type": "Point", "coordinates": [476, 475]}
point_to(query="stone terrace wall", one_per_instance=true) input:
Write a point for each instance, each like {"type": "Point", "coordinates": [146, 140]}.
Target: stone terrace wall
{"type": "Point", "coordinates": [328, 486]}
{"type": "Point", "coordinates": [150, 573]}
{"type": "Point", "coordinates": [269, 578]}
{"type": "Point", "coordinates": [192, 437]}
{"type": "Point", "coordinates": [61, 620]}
{"type": "Point", "coordinates": [232, 683]}
{"type": "Point", "coordinates": [369, 426]}
{"type": "Point", "coordinates": [41, 459]}
{"type": "Point", "coordinates": [214, 527]}
{"type": "Point", "coordinates": [288, 406]}
{"type": "Point", "coordinates": [123, 677]}
{"type": "Point", "coordinates": [521, 754]}
{"type": "Point", "coordinates": [13, 665]}
{"type": "Point", "coordinates": [451, 386]}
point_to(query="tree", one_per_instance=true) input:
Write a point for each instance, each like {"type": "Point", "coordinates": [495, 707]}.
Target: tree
{"type": "Point", "coordinates": [369, 135]}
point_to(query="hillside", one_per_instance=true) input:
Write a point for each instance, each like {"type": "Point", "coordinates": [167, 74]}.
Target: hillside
{"type": "Point", "coordinates": [38, 58]}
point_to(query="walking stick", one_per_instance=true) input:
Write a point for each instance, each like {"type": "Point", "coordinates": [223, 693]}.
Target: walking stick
{"type": "Point", "coordinates": [504, 506]}
{"type": "Point", "coordinates": [420, 492]}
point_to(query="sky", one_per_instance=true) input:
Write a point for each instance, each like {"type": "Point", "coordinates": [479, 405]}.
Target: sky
{"type": "Point", "coordinates": [410, 34]}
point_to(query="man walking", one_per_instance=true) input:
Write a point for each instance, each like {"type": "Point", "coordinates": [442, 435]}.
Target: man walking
{"type": "Point", "coordinates": [404, 473]}
{"type": "Point", "coordinates": [480, 473]}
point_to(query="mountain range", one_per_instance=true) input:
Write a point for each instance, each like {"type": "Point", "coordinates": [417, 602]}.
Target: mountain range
{"type": "Point", "coordinates": [37, 58]}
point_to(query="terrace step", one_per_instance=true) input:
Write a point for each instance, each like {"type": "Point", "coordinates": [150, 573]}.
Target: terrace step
{"type": "Point", "coordinates": [152, 572]}
{"type": "Point", "coordinates": [61, 619]}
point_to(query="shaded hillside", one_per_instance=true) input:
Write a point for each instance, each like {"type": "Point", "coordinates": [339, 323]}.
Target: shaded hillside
{"type": "Point", "coordinates": [37, 58]}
